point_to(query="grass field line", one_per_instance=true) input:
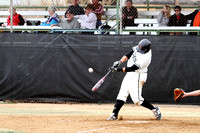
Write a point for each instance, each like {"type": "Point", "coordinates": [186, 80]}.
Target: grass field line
{"type": "Point", "coordinates": [3, 130]}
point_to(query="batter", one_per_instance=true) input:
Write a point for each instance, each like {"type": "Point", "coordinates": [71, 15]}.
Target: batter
{"type": "Point", "coordinates": [137, 66]}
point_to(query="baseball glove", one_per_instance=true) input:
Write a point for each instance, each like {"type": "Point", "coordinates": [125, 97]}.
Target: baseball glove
{"type": "Point", "coordinates": [178, 94]}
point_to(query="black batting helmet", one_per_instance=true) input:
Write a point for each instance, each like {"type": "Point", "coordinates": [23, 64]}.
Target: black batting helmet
{"type": "Point", "coordinates": [144, 46]}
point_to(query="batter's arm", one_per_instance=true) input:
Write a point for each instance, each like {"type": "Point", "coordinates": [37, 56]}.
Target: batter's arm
{"type": "Point", "coordinates": [126, 57]}
{"type": "Point", "coordinates": [125, 69]}
{"type": "Point", "coordinates": [123, 59]}
{"type": "Point", "coordinates": [128, 69]}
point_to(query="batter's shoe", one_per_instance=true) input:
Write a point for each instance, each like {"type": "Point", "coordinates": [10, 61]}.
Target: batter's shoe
{"type": "Point", "coordinates": [157, 113]}
{"type": "Point", "coordinates": [112, 117]}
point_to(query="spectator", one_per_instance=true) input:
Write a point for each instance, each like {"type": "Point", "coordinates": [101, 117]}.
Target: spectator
{"type": "Point", "coordinates": [53, 18]}
{"type": "Point", "coordinates": [129, 13]}
{"type": "Point", "coordinates": [164, 15]}
{"type": "Point", "coordinates": [195, 17]}
{"type": "Point", "coordinates": [2, 25]}
{"type": "Point", "coordinates": [178, 19]}
{"type": "Point", "coordinates": [69, 22]}
{"type": "Point", "coordinates": [163, 18]}
{"type": "Point", "coordinates": [17, 18]}
{"type": "Point", "coordinates": [88, 20]}
{"type": "Point", "coordinates": [76, 9]}
{"type": "Point", "coordinates": [98, 11]}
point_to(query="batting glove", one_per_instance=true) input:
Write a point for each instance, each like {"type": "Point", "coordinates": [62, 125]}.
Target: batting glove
{"type": "Point", "coordinates": [113, 69]}
{"type": "Point", "coordinates": [117, 63]}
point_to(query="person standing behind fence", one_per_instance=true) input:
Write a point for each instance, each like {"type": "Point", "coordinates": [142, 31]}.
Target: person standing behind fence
{"type": "Point", "coordinates": [195, 17]}
{"type": "Point", "coordinates": [178, 19]}
{"type": "Point", "coordinates": [98, 11]}
{"type": "Point", "coordinates": [163, 18]}
{"type": "Point", "coordinates": [88, 20]}
{"type": "Point", "coordinates": [53, 18]}
{"type": "Point", "coordinates": [76, 9]}
{"type": "Point", "coordinates": [129, 13]}
{"type": "Point", "coordinates": [69, 22]}
{"type": "Point", "coordinates": [17, 18]}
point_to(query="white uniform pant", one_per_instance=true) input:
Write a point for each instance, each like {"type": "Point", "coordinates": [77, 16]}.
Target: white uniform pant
{"type": "Point", "coordinates": [132, 84]}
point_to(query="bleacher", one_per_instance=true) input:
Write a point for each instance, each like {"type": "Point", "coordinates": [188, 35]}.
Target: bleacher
{"type": "Point", "coordinates": [145, 19]}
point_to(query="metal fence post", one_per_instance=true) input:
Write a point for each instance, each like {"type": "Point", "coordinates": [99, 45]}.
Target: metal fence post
{"type": "Point", "coordinates": [148, 4]}
{"type": "Point", "coordinates": [120, 15]}
{"type": "Point", "coordinates": [11, 16]}
{"type": "Point", "coordinates": [117, 30]}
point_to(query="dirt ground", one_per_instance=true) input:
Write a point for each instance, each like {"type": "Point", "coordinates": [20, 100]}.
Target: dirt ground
{"type": "Point", "coordinates": [91, 118]}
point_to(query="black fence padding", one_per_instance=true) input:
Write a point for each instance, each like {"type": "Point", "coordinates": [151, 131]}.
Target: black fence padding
{"type": "Point", "coordinates": [54, 67]}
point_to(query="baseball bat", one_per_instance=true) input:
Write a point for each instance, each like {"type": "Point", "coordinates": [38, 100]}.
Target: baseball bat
{"type": "Point", "coordinates": [100, 82]}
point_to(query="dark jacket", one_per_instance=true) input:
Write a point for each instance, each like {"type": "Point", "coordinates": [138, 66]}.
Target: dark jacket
{"type": "Point", "coordinates": [132, 12]}
{"type": "Point", "coordinates": [76, 10]}
{"type": "Point", "coordinates": [174, 22]}
{"type": "Point", "coordinates": [191, 16]}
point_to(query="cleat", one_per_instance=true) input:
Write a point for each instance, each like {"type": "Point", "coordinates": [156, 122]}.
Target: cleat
{"type": "Point", "coordinates": [157, 113]}
{"type": "Point", "coordinates": [112, 117]}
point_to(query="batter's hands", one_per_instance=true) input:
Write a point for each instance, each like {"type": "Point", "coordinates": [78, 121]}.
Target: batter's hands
{"type": "Point", "coordinates": [116, 64]}
{"type": "Point", "coordinates": [113, 69]}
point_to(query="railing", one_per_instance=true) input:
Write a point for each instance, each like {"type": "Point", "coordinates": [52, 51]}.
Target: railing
{"type": "Point", "coordinates": [110, 14]}
{"type": "Point", "coordinates": [99, 31]}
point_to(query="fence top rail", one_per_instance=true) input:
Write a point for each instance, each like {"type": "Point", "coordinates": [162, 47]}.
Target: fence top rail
{"type": "Point", "coordinates": [61, 13]}
{"type": "Point", "coordinates": [162, 29]}
{"type": "Point", "coordinates": [106, 7]}
{"type": "Point", "coordinates": [132, 28]}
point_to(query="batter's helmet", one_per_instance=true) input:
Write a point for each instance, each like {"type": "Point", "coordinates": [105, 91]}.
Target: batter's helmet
{"type": "Point", "coordinates": [144, 46]}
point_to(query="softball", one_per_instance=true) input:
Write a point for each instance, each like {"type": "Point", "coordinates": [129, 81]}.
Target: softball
{"type": "Point", "coordinates": [90, 70]}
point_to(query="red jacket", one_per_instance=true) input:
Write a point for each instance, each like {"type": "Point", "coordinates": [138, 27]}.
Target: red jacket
{"type": "Point", "coordinates": [17, 20]}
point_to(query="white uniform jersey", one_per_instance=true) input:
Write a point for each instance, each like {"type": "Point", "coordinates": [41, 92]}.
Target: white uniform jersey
{"type": "Point", "coordinates": [142, 61]}
{"type": "Point", "coordinates": [133, 81]}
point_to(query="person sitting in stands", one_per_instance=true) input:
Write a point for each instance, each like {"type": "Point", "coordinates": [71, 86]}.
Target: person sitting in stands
{"type": "Point", "coordinates": [178, 19]}
{"type": "Point", "coordinates": [69, 22]}
{"type": "Point", "coordinates": [88, 20]}
{"type": "Point", "coordinates": [2, 25]}
{"type": "Point", "coordinates": [98, 11]}
{"type": "Point", "coordinates": [76, 9]}
{"type": "Point", "coordinates": [163, 18]}
{"type": "Point", "coordinates": [129, 13]}
{"type": "Point", "coordinates": [195, 17]}
{"type": "Point", "coordinates": [17, 18]}
{"type": "Point", "coordinates": [53, 18]}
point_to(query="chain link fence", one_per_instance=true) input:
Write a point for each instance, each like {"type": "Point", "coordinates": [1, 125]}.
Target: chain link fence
{"type": "Point", "coordinates": [111, 16]}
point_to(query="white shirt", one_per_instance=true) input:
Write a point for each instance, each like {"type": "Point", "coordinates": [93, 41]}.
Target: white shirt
{"type": "Point", "coordinates": [140, 60]}
{"type": "Point", "coordinates": [87, 21]}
